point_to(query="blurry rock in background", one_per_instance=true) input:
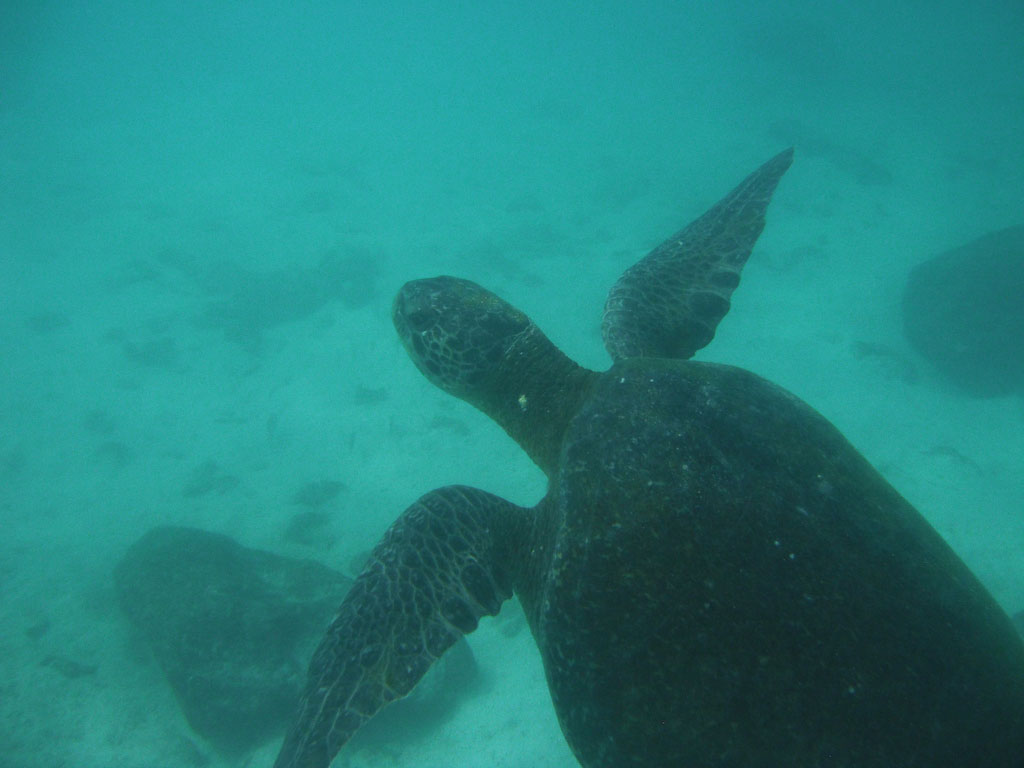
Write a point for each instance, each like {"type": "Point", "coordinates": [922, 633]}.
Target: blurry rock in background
{"type": "Point", "coordinates": [964, 311]}
{"type": "Point", "coordinates": [310, 528]}
{"type": "Point", "coordinates": [233, 630]}
{"type": "Point", "coordinates": [234, 297]}
{"type": "Point", "coordinates": [813, 142]}
{"type": "Point", "coordinates": [245, 302]}
{"type": "Point", "coordinates": [317, 493]}
{"type": "Point", "coordinates": [208, 477]}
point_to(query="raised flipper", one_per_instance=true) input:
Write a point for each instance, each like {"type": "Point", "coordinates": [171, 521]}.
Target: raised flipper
{"type": "Point", "coordinates": [669, 303]}
{"type": "Point", "coordinates": [447, 561]}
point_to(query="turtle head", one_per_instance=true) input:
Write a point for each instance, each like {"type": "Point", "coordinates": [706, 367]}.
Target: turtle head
{"type": "Point", "coordinates": [456, 332]}
{"type": "Point", "coordinates": [476, 346]}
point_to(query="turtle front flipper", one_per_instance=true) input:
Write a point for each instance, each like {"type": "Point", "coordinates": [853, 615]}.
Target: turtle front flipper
{"type": "Point", "coordinates": [669, 303]}
{"type": "Point", "coordinates": [445, 562]}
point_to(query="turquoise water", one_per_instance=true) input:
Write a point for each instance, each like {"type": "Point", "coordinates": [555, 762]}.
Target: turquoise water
{"type": "Point", "coordinates": [206, 208]}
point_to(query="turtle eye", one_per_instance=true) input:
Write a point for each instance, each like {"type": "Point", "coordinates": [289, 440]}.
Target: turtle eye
{"type": "Point", "coordinates": [419, 320]}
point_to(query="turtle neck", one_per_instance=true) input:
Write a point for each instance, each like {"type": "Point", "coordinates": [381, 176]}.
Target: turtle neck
{"type": "Point", "coordinates": [533, 394]}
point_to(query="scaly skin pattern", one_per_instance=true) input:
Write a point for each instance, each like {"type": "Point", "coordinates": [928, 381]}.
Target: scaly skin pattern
{"type": "Point", "coordinates": [669, 303]}
{"type": "Point", "coordinates": [437, 570]}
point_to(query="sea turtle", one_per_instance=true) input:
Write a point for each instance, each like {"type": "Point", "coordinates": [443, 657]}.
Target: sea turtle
{"type": "Point", "coordinates": [715, 577]}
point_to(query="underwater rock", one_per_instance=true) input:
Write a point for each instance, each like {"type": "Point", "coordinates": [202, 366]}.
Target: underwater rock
{"type": "Point", "coordinates": [100, 422]}
{"type": "Point", "coordinates": [161, 352]}
{"type": "Point", "coordinates": [38, 630]}
{"type": "Point", "coordinates": [846, 159]}
{"type": "Point", "coordinates": [1018, 622]}
{"type": "Point", "coordinates": [363, 395]}
{"type": "Point", "coordinates": [46, 322]}
{"type": "Point", "coordinates": [890, 362]}
{"type": "Point", "coordinates": [317, 493]}
{"type": "Point", "coordinates": [964, 311]}
{"type": "Point", "coordinates": [114, 453]}
{"type": "Point", "coordinates": [245, 303]}
{"type": "Point", "coordinates": [208, 477]}
{"type": "Point", "coordinates": [70, 668]}
{"type": "Point", "coordinates": [231, 627]}
{"type": "Point", "coordinates": [311, 528]}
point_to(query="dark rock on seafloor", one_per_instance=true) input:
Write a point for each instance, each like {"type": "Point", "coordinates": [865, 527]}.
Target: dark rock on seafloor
{"type": "Point", "coordinates": [317, 493]}
{"type": "Point", "coordinates": [232, 628]}
{"type": "Point", "coordinates": [964, 311]}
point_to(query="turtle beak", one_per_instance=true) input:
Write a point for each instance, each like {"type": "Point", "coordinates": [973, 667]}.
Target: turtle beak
{"type": "Point", "coordinates": [418, 316]}
{"type": "Point", "coordinates": [414, 310]}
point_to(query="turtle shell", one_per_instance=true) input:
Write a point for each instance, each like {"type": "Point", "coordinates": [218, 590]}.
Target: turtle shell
{"type": "Point", "coordinates": [731, 583]}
